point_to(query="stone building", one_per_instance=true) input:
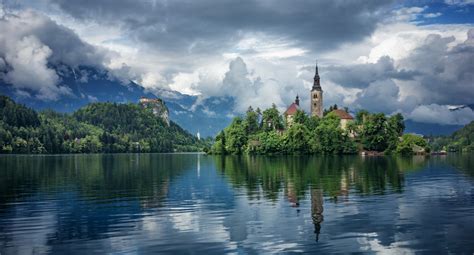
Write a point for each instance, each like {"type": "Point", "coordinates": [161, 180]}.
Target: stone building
{"type": "Point", "coordinates": [316, 105]}
{"type": "Point", "coordinates": [345, 117]}
{"type": "Point", "coordinates": [291, 112]}
{"type": "Point", "coordinates": [158, 107]}
{"type": "Point", "coordinates": [317, 96]}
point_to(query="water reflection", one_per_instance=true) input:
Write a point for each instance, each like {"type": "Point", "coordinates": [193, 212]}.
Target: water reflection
{"type": "Point", "coordinates": [317, 210]}
{"type": "Point", "coordinates": [334, 175]}
{"type": "Point", "coordinates": [143, 203]}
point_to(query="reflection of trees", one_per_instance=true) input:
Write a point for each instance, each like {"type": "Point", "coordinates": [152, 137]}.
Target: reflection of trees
{"type": "Point", "coordinates": [332, 176]}
{"type": "Point", "coordinates": [96, 191]}
{"type": "Point", "coordinates": [335, 175]}
{"type": "Point", "coordinates": [464, 162]}
{"type": "Point", "coordinates": [98, 178]}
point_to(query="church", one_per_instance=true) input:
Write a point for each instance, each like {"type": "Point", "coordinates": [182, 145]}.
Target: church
{"type": "Point", "coordinates": [316, 96]}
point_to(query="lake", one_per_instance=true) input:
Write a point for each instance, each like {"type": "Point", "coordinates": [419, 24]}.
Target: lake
{"type": "Point", "coordinates": [194, 203]}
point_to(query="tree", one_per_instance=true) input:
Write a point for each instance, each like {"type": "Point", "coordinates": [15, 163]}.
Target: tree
{"type": "Point", "coordinates": [271, 119]}
{"type": "Point", "coordinates": [300, 117]}
{"type": "Point", "coordinates": [374, 133]}
{"type": "Point", "coordinates": [395, 128]}
{"type": "Point", "coordinates": [408, 143]}
{"type": "Point", "coordinates": [331, 108]}
{"type": "Point", "coordinates": [296, 139]}
{"type": "Point", "coordinates": [251, 121]}
{"type": "Point", "coordinates": [270, 143]}
{"type": "Point", "coordinates": [219, 145]}
{"type": "Point", "coordinates": [236, 137]}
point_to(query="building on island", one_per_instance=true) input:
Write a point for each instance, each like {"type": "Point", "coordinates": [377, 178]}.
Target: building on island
{"type": "Point", "coordinates": [345, 117]}
{"type": "Point", "coordinates": [316, 96]}
{"type": "Point", "coordinates": [158, 107]}
{"type": "Point", "coordinates": [291, 112]}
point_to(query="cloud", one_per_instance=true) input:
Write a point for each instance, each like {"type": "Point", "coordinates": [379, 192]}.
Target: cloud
{"type": "Point", "coordinates": [28, 61]}
{"type": "Point", "coordinates": [210, 26]}
{"type": "Point", "coordinates": [437, 72]}
{"type": "Point", "coordinates": [372, 55]}
{"type": "Point", "coordinates": [441, 114]}
{"type": "Point", "coordinates": [361, 75]}
{"type": "Point", "coordinates": [446, 73]}
{"type": "Point", "coordinates": [31, 45]}
{"type": "Point", "coordinates": [459, 2]}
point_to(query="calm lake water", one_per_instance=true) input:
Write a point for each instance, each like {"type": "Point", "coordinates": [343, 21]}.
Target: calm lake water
{"type": "Point", "coordinates": [193, 203]}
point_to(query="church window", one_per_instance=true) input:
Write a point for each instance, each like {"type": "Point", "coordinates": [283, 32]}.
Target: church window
{"type": "Point", "coordinates": [315, 96]}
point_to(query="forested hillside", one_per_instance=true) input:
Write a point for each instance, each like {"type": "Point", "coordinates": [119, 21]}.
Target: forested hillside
{"type": "Point", "coordinates": [461, 140]}
{"type": "Point", "coordinates": [98, 127]}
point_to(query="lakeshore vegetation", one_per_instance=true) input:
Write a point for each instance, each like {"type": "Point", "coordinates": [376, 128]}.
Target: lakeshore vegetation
{"type": "Point", "coordinates": [460, 141]}
{"type": "Point", "coordinates": [265, 133]}
{"type": "Point", "coordinates": [95, 128]}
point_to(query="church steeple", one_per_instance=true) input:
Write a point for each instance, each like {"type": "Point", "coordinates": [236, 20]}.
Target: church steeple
{"type": "Point", "coordinates": [316, 84]}
{"type": "Point", "coordinates": [317, 96]}
{"type": "Point", "coordinates": [297, 100]}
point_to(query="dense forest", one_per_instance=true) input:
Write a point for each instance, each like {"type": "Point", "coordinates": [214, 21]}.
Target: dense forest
{"type": "Point", "coordinates": [265, 133]}
{"type": "Point", "coordinates": [97, 127]}
{"type": "Point", "coordinates": [460, 141]}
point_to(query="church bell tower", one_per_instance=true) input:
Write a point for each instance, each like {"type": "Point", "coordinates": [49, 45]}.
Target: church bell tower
{"type": "Point", "coordinates": [316, 96]}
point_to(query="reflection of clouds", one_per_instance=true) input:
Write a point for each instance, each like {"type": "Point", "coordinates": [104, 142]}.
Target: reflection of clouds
{"type": "Point", "coordinates": [27, 232]}
{"type": "Point", "coordinates": [369, 242]}
{"type": "Point", "coordinates": [207, 214]}
{"type": "Point", "coordinates": [185, 221]}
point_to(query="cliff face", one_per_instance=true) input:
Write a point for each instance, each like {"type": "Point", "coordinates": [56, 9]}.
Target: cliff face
{"type": "Point", "coordinates": [158, 107]}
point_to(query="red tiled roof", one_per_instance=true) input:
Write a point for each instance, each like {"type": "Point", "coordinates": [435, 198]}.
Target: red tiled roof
{"type": "Point", "coordinates": [343, 114]}
{"type": "Point", "coordinates": [292, 109]}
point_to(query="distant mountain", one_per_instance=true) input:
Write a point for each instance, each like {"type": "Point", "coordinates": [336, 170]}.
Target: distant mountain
{"type": "Point", "coordinates": [91, 85]}
{"type": "Point", "coordinates": [429, 128]}
{"type": "Point", "coordinates": [460, 140]}
{"type": "Point", "coordinates": [97, 127]}
{"type": "Point", "coordinates": [208, 116]}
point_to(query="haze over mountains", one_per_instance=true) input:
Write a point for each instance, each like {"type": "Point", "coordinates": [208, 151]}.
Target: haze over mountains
{"type": "Point", "coordinates": [87, 85]}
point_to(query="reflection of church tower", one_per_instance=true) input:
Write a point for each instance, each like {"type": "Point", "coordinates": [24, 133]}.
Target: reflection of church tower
{"type": "Point", "coordinates": [316, 96]}
{"type": "Point", "coordinates": [317, 210]}
{"type": "Point", "coordinates": [199, 165]}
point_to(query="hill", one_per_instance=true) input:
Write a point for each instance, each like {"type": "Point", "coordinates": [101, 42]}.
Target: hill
{"type": "Point", "coordinates": [461, 140]}
{"type": "Point", "coordinates": [91, 84]}
{"type": "Point", "coordinates": [97, 127]}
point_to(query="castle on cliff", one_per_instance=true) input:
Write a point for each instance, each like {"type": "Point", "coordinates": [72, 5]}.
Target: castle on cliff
{"type": "Point", "coordinates": [157, 106]}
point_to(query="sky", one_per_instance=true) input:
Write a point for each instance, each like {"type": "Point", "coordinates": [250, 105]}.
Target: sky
{"type": "Point", "coordinates": [412, 57]}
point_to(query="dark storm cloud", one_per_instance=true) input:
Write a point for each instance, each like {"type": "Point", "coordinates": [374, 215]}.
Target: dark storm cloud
{"type": "Point", "coordinates": [447, 75]}
{"type": "Point", "coordinates": [361, 75]}
{"type": "Point", "coordinates": [434, 76]}
{"type": "Point", "coordinates": [212, 25]}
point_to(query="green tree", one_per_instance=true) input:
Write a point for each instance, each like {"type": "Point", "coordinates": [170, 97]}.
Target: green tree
{"type": "Point", "coordinates": [408, 143]}
{"type": "Point", "coordinates": [300, 117]}
{"type": "Point", "coordinates": [219, 145]}
{"type": "Point", "coordinates": [271, 119]}
{"type": "Point", "coordinates": [297, 139]}
{"type": "Point", "coordinates": [251, 121]}
{"type": "Point", "coordinates": [374, 133]}
{"type": "Point", "coordinates": [236, 137]}
{"type": "Point", "coordinates": [395, 128]}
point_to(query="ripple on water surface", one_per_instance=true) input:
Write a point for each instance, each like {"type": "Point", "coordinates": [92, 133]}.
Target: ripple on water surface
{"type": "Point", "coordinates": [192, 203]}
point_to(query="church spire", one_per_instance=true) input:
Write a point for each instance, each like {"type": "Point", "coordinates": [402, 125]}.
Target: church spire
{"type": "Point", "coordinates": [316, 84]}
